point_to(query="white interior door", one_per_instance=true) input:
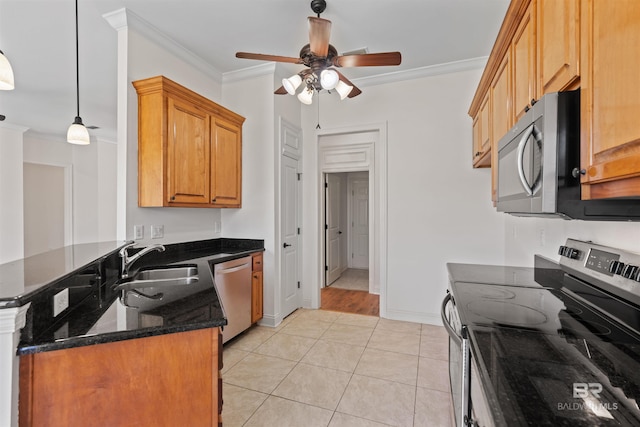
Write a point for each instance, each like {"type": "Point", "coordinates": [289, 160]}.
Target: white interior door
{"type": "Point", "coordinates": [289, 229]}
{"type": "Point", "coordinates": [333, 232]}
{"type": "Point", "coordinates": [360, 223]}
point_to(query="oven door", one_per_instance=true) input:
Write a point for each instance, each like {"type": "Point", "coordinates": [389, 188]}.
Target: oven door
{"type": "Point", "coordinates": [459, 362]}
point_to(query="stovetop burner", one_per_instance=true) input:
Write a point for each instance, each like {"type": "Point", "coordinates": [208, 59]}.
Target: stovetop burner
{"type": "Point", "coordinates": [506, 313]}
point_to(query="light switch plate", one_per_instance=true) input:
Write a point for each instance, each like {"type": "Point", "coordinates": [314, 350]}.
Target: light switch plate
{"type": "Point", "coordinates": [138, 232]}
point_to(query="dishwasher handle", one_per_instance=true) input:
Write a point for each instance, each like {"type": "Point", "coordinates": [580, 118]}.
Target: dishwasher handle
{"type": "Point", "coordinates": [452, 333]}
{"type": "Point", "coordinates": [232, 269]}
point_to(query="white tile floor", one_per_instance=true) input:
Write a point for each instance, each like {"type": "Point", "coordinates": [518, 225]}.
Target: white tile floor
{"type": "Point", "coordinates": [323, 368]}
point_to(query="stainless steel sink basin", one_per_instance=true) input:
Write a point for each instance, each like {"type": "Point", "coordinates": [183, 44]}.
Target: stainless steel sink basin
{"type": "Point", "coordinates": [173, 275]}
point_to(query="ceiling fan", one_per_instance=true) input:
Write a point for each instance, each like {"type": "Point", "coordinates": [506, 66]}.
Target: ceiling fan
{"type": "Point", "coordinates": [322, 58]}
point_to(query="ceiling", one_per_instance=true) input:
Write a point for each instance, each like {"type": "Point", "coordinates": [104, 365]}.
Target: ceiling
{"type": "Point", "coordinates": [37, 36]}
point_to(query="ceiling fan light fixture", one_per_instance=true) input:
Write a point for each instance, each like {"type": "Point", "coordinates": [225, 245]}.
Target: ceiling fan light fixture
{"type": "Point", "coordinates": [343, 89]}
{"type": "Point", "coordinates": [306, 96]}
{"type": "Point", "coordinates": [292, 83]}
{"type": "Point", "coordinates": [77, 133]}
{"type": "Point", "coordinates": [6, 73]}
{"type": "Point", "coordinates": [329, 79]}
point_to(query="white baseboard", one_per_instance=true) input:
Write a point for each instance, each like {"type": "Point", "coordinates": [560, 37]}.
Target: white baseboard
{"type": "Point", "coordinates": [414, 316]}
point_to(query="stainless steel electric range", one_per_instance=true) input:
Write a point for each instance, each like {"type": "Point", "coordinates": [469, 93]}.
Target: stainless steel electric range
{"type": "Point", "coordinates": [555, 345]}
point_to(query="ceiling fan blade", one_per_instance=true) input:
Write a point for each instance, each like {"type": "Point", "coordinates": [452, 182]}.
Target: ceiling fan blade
{"type": "Point", "coordinates": [368, 60]}
{"type": "Point", "coordinates": [355, 91]}
{"type": "Point", "coordinates": [281, 91]}
{"type": "Point", "coordinates": [319, 34]}
{"type": "Point", "coordinates": [276, 58]}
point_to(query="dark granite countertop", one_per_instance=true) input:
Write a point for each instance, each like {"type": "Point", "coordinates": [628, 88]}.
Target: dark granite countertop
{"type": "Point", "coordinates": [99, 313]}
{"type": "Point", "coordinates": [21, 280]}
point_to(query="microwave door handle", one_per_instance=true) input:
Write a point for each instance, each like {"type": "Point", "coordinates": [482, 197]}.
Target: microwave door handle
{"type": "Point", "coordinates": [452, 333]}
{"type": "Point", "coordinates": [521, 146]}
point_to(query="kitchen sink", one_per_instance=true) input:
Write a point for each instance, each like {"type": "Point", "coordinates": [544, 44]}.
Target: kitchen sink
{"type": "Point", "coordinates": [172, 275]}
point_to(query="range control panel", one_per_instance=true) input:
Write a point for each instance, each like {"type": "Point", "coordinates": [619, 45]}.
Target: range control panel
{"type": "Point", "coordinates": [616, 267]}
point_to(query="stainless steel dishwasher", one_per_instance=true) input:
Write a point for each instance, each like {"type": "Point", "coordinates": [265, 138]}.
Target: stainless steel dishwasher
{"type": "Point", "coordinates": [233, 282]}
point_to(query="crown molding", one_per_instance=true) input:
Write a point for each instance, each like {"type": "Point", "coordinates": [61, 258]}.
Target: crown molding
{"type": "Point", "coordinates": [123, 19]}
{"type": "Point", "coordinates": [12, 126]}
{"type": "Point", "coordinates": [417, 73]}
{"type": "Point", "coordinates": [268, 68]}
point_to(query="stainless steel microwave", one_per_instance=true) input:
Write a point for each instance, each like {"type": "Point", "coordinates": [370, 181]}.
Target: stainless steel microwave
{"type": "Point", "coordinates": [539, 166]}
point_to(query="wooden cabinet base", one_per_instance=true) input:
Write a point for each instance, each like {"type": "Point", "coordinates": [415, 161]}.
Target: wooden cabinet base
{"type": "Point", "coordinates": [164, 380]}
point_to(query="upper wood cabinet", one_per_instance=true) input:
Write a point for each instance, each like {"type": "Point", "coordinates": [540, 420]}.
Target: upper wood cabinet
{"type": "Point", "coordinates": [189, 148]}
{"type": "Point", "coordinates": [558, 45]}
{"type": "Point", "coordinates": [610, 98]}
{"type": "Point", "coordinates": [481, 137]}
{"type": "Point", "coordinates": [500, 113]}
{"type": "Point", "coordinates": [539, 40]}
{"type": "Point", "coordinates": [523, 64]}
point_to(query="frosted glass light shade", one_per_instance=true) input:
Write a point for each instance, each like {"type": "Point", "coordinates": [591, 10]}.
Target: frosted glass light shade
{"type": "Point", "coordinates": [77, 133]}
{"type": "Point", "coordinates": [292, 83]}
{"type": "Point", "coordinates": [329, 79]}
{"type": "Point", "coordinates": [306, 96]}
{"type": "Point", "coordinates": [6, 73]}
{"type": "Point", "coordinates": [343, 89]}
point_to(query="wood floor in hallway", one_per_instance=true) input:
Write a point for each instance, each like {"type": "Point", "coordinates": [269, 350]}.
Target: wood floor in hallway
{"type": "Point", "coordinates": [347, 301]}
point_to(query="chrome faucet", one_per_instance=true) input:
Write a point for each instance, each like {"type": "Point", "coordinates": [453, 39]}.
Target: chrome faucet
{"type": "Point", "coordinates": [127, 261]}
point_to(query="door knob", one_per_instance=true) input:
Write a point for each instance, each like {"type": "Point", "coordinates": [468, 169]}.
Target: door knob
{"type": "Point", "coordinates": [286, 245]}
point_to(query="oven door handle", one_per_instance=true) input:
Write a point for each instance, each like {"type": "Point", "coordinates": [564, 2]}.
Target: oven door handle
{"type": "Point", "coordinates": [452, 333]}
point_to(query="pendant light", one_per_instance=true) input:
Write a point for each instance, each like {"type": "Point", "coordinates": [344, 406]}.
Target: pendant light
{"type": "Point", "coordinates": [6, 73]}
{"type": "Point", "coordinates": [77, 133]}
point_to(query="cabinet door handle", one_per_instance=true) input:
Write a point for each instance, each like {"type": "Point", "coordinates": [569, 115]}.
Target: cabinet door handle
{"type": "Point", "coordinates": [286, 245]}
{"type": "Point", "coordinates": [173, 198]}
{"type": "Point", "coordinates": [213, 200]}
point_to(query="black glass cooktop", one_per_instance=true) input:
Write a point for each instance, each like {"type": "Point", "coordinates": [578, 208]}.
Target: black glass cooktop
{"type": "Point", "coordinates": [550, 356]}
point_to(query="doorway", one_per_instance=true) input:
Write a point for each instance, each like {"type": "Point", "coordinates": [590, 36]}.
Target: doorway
{"type": "Point", "coordinates": [47, 207]}
{"type": "Point", "coordinates": [352, 149]}
{"type": "Point", "coordinates": [347, 230]}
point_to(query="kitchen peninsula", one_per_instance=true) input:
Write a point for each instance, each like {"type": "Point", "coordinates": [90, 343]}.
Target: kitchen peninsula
{"type": "Point", "coordinates": [90, 337]}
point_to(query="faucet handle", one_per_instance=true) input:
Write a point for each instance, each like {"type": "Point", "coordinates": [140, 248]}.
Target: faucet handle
{"type": "Point", "coordinates": [123, 250]}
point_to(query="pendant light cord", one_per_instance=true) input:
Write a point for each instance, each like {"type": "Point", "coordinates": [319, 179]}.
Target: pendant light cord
{"type": "Point", "coordinates": [77, 67]}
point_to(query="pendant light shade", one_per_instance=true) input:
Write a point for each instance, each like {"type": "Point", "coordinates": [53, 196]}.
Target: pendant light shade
{"type": "Point", "coordinates": [77, 133]}
{"type": "Point", "coordinates": [292, 83]}
{"type": "Point", "coordinates": [329, 79]}
{"type": "Point", "coordinates": [343, 89]}
{"type": "Point", "coordinates": [306, 96]}
{"type": "Point", "coordinates": [6, 73]}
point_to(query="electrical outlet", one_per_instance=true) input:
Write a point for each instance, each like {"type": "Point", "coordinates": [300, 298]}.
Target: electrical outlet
{"type": "Point", "coordinates": [216, 226]}
{"type": "Point", "coordinates": [60, 302]}
{"type": "Point", "coordinates": [157, 231]}
{"type": "Point", "coordinates": [138, 232]}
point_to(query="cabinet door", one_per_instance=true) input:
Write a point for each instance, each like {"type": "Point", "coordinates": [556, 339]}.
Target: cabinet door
{"type": "Point", "coordinates": [500, 115]}
{"type": "Point", "coordinates": [256, 296]}
{"type": "Point", "coordinates": [524, 63]}
{"type": "Point", "coordinates": [226, 164]}
{"type": "Point", "coordinates": [558, 44]}
{"type": "Point", "coordinates": [188, 154]}
{"type": "Point", "coordinates": [481, 141]}
{"type": "Point", "coordinates": [610, 98]}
